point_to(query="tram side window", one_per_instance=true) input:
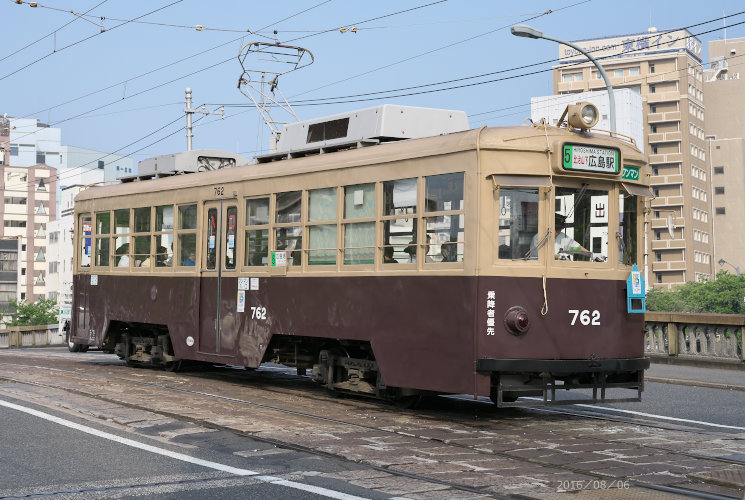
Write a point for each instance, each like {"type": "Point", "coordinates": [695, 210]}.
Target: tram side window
{"type": "Point", "coordinates": [257, 232]}
{"type": "Point", "coordinates": [85, 225]}
{"type": "Point", "coordinates": [518, 236]}
{"type": "Point", "coordinates": [581, 224]}
{"type": "Point", "coordinates": [359, 225]}
{"type": "Point", "coordinates": [289, 237]}
{"type": "Point", "coordinates": [121, 242]}
{"type": "Point", "coordinates": [164, 236]}
{"type": "Point", "coordinates": [445, 226]}
{"type": "Point", "coordinates": [103, 239]}
{"type": "Point", "coordinates": [142, 242]}
{"type": "Point", "coordinates": [187, 235]}
{"type": "Point", "coordinates": [211, 251]}
{"type": "Point", "coordinates": [322, 228]}
{"type": "Point", "coordinates": [399, 220]}
{"type": "Point", "coordinates": [230, 243]}
{"type": "Point", "coordinates": [628, 218]}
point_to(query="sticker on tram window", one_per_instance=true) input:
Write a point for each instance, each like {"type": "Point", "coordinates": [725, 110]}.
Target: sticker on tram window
{"type": "Point", "coordinates": [590, 159]}
{"type": "Point", "coordinates": [630, 173]}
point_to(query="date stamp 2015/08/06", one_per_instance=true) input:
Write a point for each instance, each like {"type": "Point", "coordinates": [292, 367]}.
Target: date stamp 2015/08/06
{"type": "Point", "coordinates": [594, 484]}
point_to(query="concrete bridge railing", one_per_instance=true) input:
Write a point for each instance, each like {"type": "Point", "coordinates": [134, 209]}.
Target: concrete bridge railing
{"type": "Point", "coordinates": [29, 336]}
{"type": "Point", "coordinates": [712, 337]}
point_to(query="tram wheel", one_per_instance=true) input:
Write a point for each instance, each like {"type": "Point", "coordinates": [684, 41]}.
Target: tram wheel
{"type": "Point", "coordinates": [408, 402]}
{"type": "Point", "coordinates": [83, 347]}
{"type": "Point", "coordinates": [73, 347]}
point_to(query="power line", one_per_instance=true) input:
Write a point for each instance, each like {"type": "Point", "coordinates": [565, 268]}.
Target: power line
{"type": "Point", "coordinates": [86, 39]}
{"type": "Point", "coordinates": [49, 34]}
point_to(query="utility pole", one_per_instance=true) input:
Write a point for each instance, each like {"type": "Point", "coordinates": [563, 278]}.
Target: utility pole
{"type": "Point", "coordinates": [189, 111]}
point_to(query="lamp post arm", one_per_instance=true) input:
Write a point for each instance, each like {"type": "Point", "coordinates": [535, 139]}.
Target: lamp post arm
{"type": "Point", "coordinates": [611, 98]}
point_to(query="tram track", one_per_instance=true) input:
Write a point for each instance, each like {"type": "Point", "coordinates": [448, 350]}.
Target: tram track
{"type": "Point", "coordinates": [354, 403]}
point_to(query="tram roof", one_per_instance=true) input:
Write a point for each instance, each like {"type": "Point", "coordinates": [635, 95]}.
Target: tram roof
{"type": "Point", "coordinates": [515, 138]}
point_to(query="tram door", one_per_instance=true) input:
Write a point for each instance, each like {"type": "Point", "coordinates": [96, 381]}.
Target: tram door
{"type": "Point", "coordinates": [217, 303]}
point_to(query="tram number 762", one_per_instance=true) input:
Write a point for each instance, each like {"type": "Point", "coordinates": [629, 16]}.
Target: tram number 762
{"type": "Point", "coordinates": [585, 317]}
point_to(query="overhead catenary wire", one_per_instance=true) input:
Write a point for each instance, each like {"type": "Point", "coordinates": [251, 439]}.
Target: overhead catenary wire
{"type": "Point", "coordinates": [49, 34]}
{"type": "Point", "coordinates": [86, 39]}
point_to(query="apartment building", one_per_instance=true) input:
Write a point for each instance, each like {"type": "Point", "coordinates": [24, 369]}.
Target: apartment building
{"type": "Point", "coordinates": [28, 180]}
{"type": "Point", "coordinates": [724, 96]}
{"type": "Point", "coordinates": [664, 68]}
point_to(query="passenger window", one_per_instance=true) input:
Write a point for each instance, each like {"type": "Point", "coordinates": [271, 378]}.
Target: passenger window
{"type": "Point", "coordinates": [581, 224]}
{"type": "Point", "coordinates": [627, 243]}
{"type": "Point", "coordinates": [103, 241]}
{"type": "Point", "coordinates": [121, 243]}
{"type": "Point", "coordinates": [289, 238]}
{"type": "Point", "coordinates": [142, 243]}
{"type": "Point", "coordinates": [322, 227]}
{"type": "Point", "coordinates": [257, 232]}
{"type": "Point", "coordinates": [399, 220]}
{"type": "Point", "coordinates": [445, 235]}
{"type": "Point", "coordinates": [187, 236]}
{"type": "Point", "coordinates": [164, 236]}
{"type": "Point", "coordinates": [359, 236]}
{"type": "Point", "coordinates": [85, 228]}
{"type": "Point", "coordinates": [518, 236]}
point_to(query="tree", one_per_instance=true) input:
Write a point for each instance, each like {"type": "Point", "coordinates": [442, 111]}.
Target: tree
{"type": "Point", "coordinates": [726, 295]}
{"type": "Point", "coordinates": [41, 312]}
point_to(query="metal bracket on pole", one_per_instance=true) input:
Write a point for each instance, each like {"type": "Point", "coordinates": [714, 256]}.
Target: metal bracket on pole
{"type": "Point", "coordinates": [189, 111]}
{"type": "Point", "coordinates": [259, 80]}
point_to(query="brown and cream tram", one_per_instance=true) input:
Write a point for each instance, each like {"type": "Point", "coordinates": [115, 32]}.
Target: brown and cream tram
{"type": "Point", "coordinates": [490, 262]}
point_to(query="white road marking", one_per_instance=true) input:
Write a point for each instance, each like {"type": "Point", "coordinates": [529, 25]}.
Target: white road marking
{"type": "Point", "coordinates": [652, 415]}
{"type": "Point", "coordinates": [180, 456]}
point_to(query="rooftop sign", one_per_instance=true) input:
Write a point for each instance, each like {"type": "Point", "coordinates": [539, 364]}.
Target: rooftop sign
{"type": "Point", "coordinates": [641, 44]}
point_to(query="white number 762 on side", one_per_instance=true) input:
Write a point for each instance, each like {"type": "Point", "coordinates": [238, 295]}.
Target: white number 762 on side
{"type": "Point", "coordinates": [585, 317]}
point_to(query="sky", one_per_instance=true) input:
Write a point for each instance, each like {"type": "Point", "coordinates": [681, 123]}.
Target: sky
{"type": "Point", "coordinates": [111, 74]}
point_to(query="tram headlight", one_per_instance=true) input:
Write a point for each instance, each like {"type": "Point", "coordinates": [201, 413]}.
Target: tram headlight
{"type": "Point", "coordinates": [582, 115]}
{"type": "Point", "coordinates": [516, 320]}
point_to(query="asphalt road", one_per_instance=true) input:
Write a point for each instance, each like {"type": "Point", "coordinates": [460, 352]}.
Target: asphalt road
{"type": "Point", "coordinates": [42, 457]}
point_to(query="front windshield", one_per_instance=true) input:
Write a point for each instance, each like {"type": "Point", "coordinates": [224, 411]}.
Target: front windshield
{"type": "Point", "coordinates": [581, 224]}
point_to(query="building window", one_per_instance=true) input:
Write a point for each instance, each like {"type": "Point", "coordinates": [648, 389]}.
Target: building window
{"type": "Point", "coordinates": [718, 170]}
{"type": "Point", "coordinates": [652, 89]}
{"type": "Point", "coordinates": [659, 277]}
{"type": "Point", "coordinates": [100, 164]}
{"type": "Point", "coordinates": [634, 71]}
{"type": "Point", "coordinates": [720, 211]}
{"type": "Point", "coordinates": [658, 256]}
{"type": "Point", "coordinates": [719, 190]}
{"type": "Point", "coordinates": [41, 157]}
{"type": "Point", "coordinates": [14, 223]}
{"type": "Point", "coordinates": [652, 108]}
{"type": "Point", "coordinates": [654, 129]}
{"type": "Point", "coordinates": [654, 150]}
{"type": "Point", "coordinates": [651, 67]}
{"type": "Point", "coordinates": [14, 150]}
{"type": "Point", "coordinates": [617, 73]}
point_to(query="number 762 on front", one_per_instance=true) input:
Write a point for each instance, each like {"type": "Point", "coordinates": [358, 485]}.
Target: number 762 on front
{"type": "Point", "coordinates": [585, 316]}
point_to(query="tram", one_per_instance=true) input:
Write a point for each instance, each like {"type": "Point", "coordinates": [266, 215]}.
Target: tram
{"type": "Point", "coordinates": [491, 262]}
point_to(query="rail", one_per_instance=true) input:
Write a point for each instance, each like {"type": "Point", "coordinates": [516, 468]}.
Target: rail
{"type": "Point", "coordinates": [691, 336]}
{"type": "Point", "coordinates": [29, 336]}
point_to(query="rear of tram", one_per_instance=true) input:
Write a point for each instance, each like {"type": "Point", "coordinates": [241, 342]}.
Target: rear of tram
{"type": "Point", "coordinates": [563, 308]}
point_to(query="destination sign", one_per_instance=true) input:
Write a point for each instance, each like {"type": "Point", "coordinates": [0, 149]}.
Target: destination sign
{"type": "Point", "coordinates": [590, 159]}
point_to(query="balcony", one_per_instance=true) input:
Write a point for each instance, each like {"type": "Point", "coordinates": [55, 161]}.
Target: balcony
{"type": "Point", "coordinates": [676, 265]}
{"type": "Point", "coordinates": [668, 244]}
{"type": "Point", "coordinates": [659, 97]}
{"type": "Point", "coordinates": [670, 116]}
{"type": "Point", "coordinates": [665, 137]}
{"type": "Point", "coordinates": [666, 158]}
{"type": "Point", "coordinates": [661, 223]}
{"type": "Point", "coordinates": [666, 180]}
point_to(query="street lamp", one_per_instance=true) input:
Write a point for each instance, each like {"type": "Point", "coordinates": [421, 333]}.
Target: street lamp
{"type": "Point", "coordinates": [736, 268]}
{"type": "Point", "coordinates": [528, 32]}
